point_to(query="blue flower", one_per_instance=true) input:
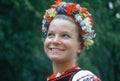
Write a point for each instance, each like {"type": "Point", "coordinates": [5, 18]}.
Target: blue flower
{"type": "Point", "coordinates": [44, 34]}
{"type": "Point", "coordinates": [61, 10]}
{"type": "Point", "coordinates": [46, 24]}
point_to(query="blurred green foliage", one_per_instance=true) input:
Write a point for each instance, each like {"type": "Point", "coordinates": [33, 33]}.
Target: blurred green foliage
{"type": "Point", "coordinates": [22, 57]}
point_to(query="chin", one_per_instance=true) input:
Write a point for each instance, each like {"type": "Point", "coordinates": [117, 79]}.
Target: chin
{"type": "Point", "coordinates": [56, 59]}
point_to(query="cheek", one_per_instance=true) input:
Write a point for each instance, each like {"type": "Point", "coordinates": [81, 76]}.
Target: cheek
{"type": "Point", "coordinates": [74, 46]}
{"type": "Point", "coordinates": [70, 44]}
{"type": "Point", "coordinates": [46, 43]}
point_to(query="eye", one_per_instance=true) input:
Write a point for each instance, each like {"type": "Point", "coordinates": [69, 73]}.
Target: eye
{"type": "Point", "coordinates": [66, 36]}
{"type": "Point", "coordinates": [50, 35]}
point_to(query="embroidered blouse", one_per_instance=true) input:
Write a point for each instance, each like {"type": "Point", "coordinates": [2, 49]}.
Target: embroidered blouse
{"type": "Point", "coordinates": [74, 74]}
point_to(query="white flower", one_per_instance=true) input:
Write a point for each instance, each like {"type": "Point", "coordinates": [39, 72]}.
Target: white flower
{"type": "Point", "coordinates": [83, 27]}
{"type": "Point", "coordinates": [85, 24]}
{"type": "Point", "coordinates": [78, 17]}
{"type": "Point", "coordinates": [88, 29]}
{"type": "Point", "coordinates": [78, 6]}
{"type": "Point", "coordinates": [44, 16]}
{"type": "Point", "coordinates": [63, 4]}
{"type": "Point", "coordinates": [86, 20]}
{"type": "Point", "coordinates": [43, 21]}
{"type": "Point", "coordinates": [86, 36]}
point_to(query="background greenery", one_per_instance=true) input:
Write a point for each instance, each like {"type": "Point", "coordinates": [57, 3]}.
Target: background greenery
{"type": "Point", "coordinates": [21, 48]}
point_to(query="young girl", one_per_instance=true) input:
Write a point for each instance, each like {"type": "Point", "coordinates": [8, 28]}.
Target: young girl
{"type": "Point", "coordinates": [67, 27]}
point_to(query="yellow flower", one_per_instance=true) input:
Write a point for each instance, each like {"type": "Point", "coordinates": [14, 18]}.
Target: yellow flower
{"type": "Point", "coordinates": [88, 42]}
{"type": "Point", "coordinates": [52, 14]}
{"type": "Point", "coordinates": [84, 15]}
{"type": "Point", "coordinates": [79, 12]}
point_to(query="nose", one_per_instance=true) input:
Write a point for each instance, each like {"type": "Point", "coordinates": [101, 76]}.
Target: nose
{"type": "Point", "coordinates": [56, 40]}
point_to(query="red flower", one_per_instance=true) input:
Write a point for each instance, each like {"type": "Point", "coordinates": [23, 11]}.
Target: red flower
{"type": "Point", "coordinates": [90, 17]}
{"type": "Point", "coordinates": [49, 19]}
{"type": "Point", "coordinates": [84, 10]}
{"type": "Point", "coordinates": [54, 6]}
{"type": "Point", "coordinates": [70, 8]}
{"type": "Point", "coordinates": [58, 1]}
{"type": "Point", "coordinates": [91, 23]}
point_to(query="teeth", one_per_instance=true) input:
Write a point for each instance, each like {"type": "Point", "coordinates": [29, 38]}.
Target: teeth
{"type": "Point", "coordinates": [55, 49]}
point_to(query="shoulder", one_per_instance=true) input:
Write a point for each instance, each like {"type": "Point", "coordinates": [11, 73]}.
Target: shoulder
{"type": "Point", "coordinates": [85, 75]}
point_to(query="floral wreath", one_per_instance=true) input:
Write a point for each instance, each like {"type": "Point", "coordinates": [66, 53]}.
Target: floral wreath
{"type": "Point", "coordinates": [78, 13]}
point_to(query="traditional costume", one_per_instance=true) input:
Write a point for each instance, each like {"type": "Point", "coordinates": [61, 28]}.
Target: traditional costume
{"type": "Point", "coordinates": [74, 74]}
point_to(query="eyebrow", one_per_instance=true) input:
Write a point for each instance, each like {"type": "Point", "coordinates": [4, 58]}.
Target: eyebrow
{"type": "Point", "coordinates": [62, 31]}
{"type": "Point", "coordinates": [50, 30]}
{"type": "Point", "coordinates": [66, 32]}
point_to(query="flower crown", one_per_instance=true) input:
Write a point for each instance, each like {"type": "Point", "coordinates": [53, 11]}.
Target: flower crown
{"type": "Point", "coordinates": [78, 13]}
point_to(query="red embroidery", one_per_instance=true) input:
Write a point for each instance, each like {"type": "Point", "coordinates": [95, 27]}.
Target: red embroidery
{"type": "Point", "coordinates": [89, 78]}
{"type": "Point", "coordinates": [63, 74]}
{"type": "Point", "coordinates": [97, 79]}
{"type": "Point", "coordinates": [85, 76]}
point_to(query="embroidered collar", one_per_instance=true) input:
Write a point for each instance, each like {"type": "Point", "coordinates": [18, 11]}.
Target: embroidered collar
{"type": "Point", "coordinates": [59, 74]}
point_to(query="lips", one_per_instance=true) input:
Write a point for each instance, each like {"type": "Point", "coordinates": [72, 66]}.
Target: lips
{"type": "Point", "coordinates": [59, 49]}
{"type": "Point", "coordinates": [56, 50]}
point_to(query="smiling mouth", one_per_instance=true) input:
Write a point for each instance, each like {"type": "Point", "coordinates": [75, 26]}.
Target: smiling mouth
{"type": "Point", "coordinates": [56, 49]}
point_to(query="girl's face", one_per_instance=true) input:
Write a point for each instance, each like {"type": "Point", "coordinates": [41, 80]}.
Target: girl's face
{"type": "Point", "coordinates": [61, 43]}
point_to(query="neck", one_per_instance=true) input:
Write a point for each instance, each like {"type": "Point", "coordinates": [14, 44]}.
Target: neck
{"type": "Point", "coordinates": [61, 67]}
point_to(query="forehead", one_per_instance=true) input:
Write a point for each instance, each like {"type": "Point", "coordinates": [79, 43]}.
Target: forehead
{"type": "Point", "coordinates": [62, 24]}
